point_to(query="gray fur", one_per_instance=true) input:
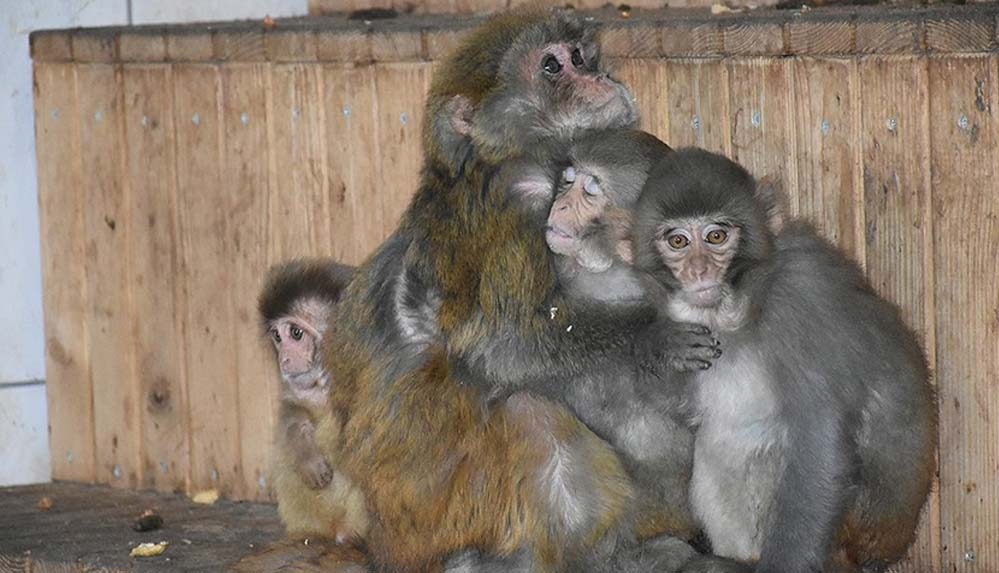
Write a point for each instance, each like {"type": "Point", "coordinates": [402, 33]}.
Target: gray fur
{"type": "Point", "coordinates": [821, 405]}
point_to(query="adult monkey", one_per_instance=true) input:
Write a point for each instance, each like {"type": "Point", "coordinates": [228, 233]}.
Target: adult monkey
{"type": "Point", "coordinates": [524, 481]}
{"type": "Point", "coordinates": [816, 431]}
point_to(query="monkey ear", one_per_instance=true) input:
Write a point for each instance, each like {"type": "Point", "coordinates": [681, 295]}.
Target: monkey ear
{"type": "Point", "coordinates": [460, 112]}
{"type": "Point", "coordinates": [770, 193]}
{"type": "Point", "coordinates": [452, 130]}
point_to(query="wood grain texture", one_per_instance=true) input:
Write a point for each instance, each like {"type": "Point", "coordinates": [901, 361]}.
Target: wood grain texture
{"type": "Point", "coordinates": [698, 100]}
{"type": "Point", "coordinates": [290, 45]}
{"type": "Point", "coordinates": [959, 34]}
{"type": "Point", "coordinates": [964, 94]}
{"type": "Point", "coordinates": [888, 37]}
{"type": "Point", "coordinates": [299, 205]}
{"type": "Point", "coordinates": [64, 273]}
{"type": "Point", "coordinates": [895, 161]}
{"type": "Point", "coordinates": [159, 355]}
{"type": "Point", "coordinates": [898, 234]}
{"type": "Point", "coordinates": [824, 131]}
{"type": "Point", "coordinates": [693, 40]}
{"type": "Point", "coordinates": [356, 213]}
{"type": "Point", "coordinates": [326, 7]}
{"type": "Point", "coordinates": [245, 186]}
{"type": "Point", "coordinates": [649, 82]}
{"type": "Point", "coordinates": [108, 222]}
{"type": "Point", "coordinates": [760, 100]}
{"type": "Point", "coordinates": [399, 122]}
{"type": "Point", "coordinates": [194, 46]}
{"type": "Point", "coordinates": [753, 39]}
{"type": "Point", "coordinates": [823, 37]}
{"type": "Point", "coordinates": [206, 255]}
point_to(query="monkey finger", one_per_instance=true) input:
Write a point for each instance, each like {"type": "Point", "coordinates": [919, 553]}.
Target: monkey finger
{"type": "Point", "coordinates": [692, 328]}
{"type": "Point", "coordinates": [694, 351]}
{"type": "Point", "coordinates": [689, 364]}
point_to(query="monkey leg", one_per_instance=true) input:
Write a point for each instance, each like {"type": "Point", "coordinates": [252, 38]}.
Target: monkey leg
{"type": "Point", "coordinates": [881, 522]}
{"type": "Point", "coordinates": [472, 561]}
{"type": "Point", "coordinates": [581, 483]}
{"type": "Point", "coordinates": [305, 512]}
{"type": "Point", "coordinates": [529, 486]}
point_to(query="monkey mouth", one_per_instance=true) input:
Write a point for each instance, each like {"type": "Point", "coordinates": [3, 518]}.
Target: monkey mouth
{"type": "Point", "coordinates": [303, 380]}
{"type": "Point", "coordinates": [559, 241]}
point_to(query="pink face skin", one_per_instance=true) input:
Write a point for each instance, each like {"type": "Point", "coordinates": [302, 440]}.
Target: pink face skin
{"type": "Point", "coordinates": [575, 210]}
{"type": "Point", "coordinates": [698, 252]}
{"type": "Point", "coordinates": [596, 89]}
{"type": "Point", "coordinates": [296, 341]}
{"type": "Point", "coordinates": [589, 92]}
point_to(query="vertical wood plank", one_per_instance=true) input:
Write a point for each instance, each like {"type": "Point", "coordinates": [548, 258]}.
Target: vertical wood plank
{"type": "Point", "coordinates": [698, 103]}
{"type": "Point", "coordinates": [206, 257]}
{"type": "Point", "coordinates": [760, 104]}
{"type": "Point", "coordinates": [67, 354]}
{"type": "Point", "coordinates": [159, 356]}
{"type": "Point", "coordinates": [245, 187]}
{"type": "Point", "coordinates": [355, 204]}
{"type": "Point", "coordinates": [964, 93]}
{"type": "Point", "coordinates": [117, 407]}
{"type": "Point", "coordinates": [299, 207]}
{"type": "Point", "coordinates": [400, 147]}
{"type": "Point", "coordinates": [895, 160]}
{"type": "Point", "coordinates": [894, 139]}
{"type": "Point", "coordinates": [647, 80]}
{"type": "Point", "coordinates": [822, 109]}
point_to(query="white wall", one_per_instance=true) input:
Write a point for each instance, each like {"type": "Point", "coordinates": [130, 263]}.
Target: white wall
{"type": "Point", "coordinates": [24, 456]}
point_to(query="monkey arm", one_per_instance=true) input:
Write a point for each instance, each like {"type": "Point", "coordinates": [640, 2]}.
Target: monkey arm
{"type": "Point", "coordinates": [551, 345]}
{"type": "Point", "coordinates": [298, 434]}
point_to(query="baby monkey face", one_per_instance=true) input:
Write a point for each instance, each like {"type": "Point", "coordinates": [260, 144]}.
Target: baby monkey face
{"type": "Point", "coordinates": [698, 251]}
{"type": "Point", "coordinates": [295, 342]}
{"type": "Point", "coordinates": [578, 206]}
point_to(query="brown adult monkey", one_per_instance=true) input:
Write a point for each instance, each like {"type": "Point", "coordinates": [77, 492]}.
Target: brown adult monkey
{"type": "Point", "coordinates": [442, 471]}
{"type": "Point", "coordinates": [816, 431]}
{"type": "Point", "coordinates": [313, 498]}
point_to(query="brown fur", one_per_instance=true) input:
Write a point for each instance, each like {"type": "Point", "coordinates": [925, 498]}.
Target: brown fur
{"type": "Point", "coordinates": [440, 470]}
{"type": "Point", "coordinates": [335, 510]}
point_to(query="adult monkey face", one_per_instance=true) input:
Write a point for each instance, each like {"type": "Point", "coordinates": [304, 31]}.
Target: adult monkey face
{"type": "Point", "coordinates": [549, 84]}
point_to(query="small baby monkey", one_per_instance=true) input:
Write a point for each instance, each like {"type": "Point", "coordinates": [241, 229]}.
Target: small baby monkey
{"type": "Point", "coordinates": [313, 498]}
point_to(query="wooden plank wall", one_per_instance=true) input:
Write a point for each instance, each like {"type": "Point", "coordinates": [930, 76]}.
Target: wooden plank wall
{"type": "Point", "coordinates": [322, 7]}
{"type": "Point", "coordinates": [177, 164]}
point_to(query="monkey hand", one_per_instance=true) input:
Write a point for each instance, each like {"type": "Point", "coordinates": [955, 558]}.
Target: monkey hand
{"type": "Point", "coordinates": [316, 472]}
{"type": "Point", "coordinates": [679, 346]}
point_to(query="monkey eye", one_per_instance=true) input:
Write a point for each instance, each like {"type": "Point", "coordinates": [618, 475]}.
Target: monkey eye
{"type": "Point", "coordinates": [276, 336]}
{"type": "Point", "coordinates": [716, 236]}
{"type": "Point", "coordinates": [592, 189]}
{"type": "Point", "coordinates": [569, 175]}
{"type": "Point", "coordinates": [577, 58]}
{"type": "Point", "coordinates": [677, 241]}
{"type": "Point", "coordinates": [296, 332]}
{"type": "Point", "coordinates": [551, 65]}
